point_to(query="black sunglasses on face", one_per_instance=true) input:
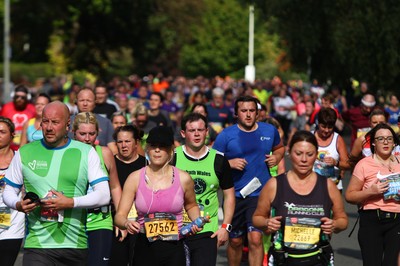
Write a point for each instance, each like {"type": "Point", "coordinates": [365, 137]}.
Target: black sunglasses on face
{"type": "Point", "coordinates": [20, 96]}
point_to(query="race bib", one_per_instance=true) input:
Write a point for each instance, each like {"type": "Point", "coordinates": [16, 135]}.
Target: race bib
{"type": "Point", "coordinates": [302, 233]}
{"type": "Point", "coordinates": [5, 218]}
{"type": "Point", "coordinates": [132, 215]}
{"type": "Point", "coordinates": [161, 226]}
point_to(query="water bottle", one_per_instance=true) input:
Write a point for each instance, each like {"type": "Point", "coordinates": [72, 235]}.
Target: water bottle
{"type": "Point", "coordinates": [200, 222]}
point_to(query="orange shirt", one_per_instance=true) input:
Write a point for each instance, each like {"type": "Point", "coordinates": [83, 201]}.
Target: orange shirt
{"type": "Point", "coordinates": [366, 171]}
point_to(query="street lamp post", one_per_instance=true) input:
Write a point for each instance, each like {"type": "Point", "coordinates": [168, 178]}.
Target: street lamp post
{"type": "Point", "coordinates": [250, 70]}
{"type": "Point", "coordinates": [6, 65]}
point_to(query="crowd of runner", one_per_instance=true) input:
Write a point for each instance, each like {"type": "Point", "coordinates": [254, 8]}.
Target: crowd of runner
{"type": "Point", "coordinates": [154, 138]}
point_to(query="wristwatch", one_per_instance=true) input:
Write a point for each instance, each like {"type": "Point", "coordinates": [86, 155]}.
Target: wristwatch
{"type": "Point", "coordinates": [227, 227]}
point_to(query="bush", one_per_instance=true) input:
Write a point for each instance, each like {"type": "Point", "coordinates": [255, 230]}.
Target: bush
{"type": "Point", "coordinates": [30, 72]}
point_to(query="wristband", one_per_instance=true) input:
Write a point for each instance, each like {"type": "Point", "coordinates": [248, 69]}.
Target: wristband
{"type": "Point", "coordinates": [227, 227]}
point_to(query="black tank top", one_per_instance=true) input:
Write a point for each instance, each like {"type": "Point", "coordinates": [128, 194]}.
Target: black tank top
{"type": "Point", "coordinates": [288, 203]}
{"type": "Point", "coordinates": [125, 169]}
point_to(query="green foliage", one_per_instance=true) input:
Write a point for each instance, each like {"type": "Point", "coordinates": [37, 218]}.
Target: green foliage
{"type": "Point", "coordinates": [367, 40]}
{"type": "Point", "coordinates": [219, 42]}
{"type": "Point", "coordinates": [340, 39]}
{"type": "Point", "coordinates": [30, 72]}
{"type": "Point", "coordinates": [331, 40]}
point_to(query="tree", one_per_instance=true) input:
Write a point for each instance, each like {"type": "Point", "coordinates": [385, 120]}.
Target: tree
{"type": "Point", "coordinates": [219, 41]}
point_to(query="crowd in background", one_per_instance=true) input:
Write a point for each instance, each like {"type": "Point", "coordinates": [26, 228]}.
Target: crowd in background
{"type": "Point", "coordinates": [284, 100]}
{"type": "Point", "coordinates": [293, 107]}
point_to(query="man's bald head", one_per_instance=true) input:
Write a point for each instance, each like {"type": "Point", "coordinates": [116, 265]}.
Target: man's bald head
{"type": "Point", "coordinates": [62, 107]}
{"type": "Point", "coordinates": [55, 124]}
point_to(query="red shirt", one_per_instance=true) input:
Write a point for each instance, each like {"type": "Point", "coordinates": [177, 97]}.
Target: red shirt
{"type": "Point", "coordinates": [18, 118]}
{"type": "Point", "coordinates": [358, 121]}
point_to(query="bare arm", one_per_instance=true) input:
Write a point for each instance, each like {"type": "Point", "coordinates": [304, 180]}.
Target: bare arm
{"type": "Point", "coordinates": [339, 220]}
{"type": "Point", "coordinates": [229, 208]}
{"type": "Point", "coordinates": [24, 138]}
{"type": "Point", "coordinates": [355, 193]}
{"type": "Point", "coordinates": [343, 155]}
{"type": "Point", "coordinates": [356, 152]}
{"type": "Point", "coordinates": [229, 205]}
{"type": "Point", "coordinates": [113, 147]}
{"type": "Point", "coordinates": [281, 167]}
{"type": "Point", "coordinates": [276, 156]}
{"type": "Point", "coordinates": [262, 216]}
{"type": "Point", "coordinates": [115, 186]}
{"type": "Point", "coordinates": [237, 163]}
{"type": "Point", "coordinates": [190, 204]}
{"type": "Point", "coordinates": [125, 204]}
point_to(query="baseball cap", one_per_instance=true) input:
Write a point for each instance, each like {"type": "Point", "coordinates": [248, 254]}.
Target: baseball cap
{"type": "Point", "coordinates": [161, 135]}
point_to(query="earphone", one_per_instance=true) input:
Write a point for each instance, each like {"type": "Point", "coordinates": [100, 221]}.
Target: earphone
{"type": "Point", "coordinates": [28, 95]}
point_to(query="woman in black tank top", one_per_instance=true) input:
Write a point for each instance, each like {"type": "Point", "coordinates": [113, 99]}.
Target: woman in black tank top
{"type": "Point", "coordinates": [300, 209]}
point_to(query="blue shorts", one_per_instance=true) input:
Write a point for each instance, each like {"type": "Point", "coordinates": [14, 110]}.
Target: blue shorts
{"type": "Point", "coordinates": [242, 221]}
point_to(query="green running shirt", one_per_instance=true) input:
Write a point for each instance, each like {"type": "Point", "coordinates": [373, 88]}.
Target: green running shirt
{"type": "Point", "coordinates": [68, 169]}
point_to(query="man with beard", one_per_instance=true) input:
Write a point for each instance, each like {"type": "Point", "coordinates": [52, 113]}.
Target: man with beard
{"type": "Point", "coordinates": [19, 111]}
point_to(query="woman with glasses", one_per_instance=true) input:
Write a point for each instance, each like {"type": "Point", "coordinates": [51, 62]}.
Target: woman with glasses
{"type": "Point", "coordinates": [374, 187]}
{"type": "Point", "coordinates": [32, 129]}
{"type": "Point", "coordinates": [332, 151]}
{"type": "Point", "coordinates": [99, 220]}
{"type": "Point", "coordinates": [12, 229]}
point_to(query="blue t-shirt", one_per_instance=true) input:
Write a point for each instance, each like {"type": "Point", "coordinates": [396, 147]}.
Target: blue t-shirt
{"type": "Point", "coordinates": [252, 146]}
{"type": "Point", "coordinates": [393, 115]}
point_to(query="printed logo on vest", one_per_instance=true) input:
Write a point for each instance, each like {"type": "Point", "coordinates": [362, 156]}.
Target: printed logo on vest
{"type": "Point", "coordinates": [262, 138]}
{"type": "Point", "coordinates": [199, 186]}
{"type": "Point", "coordinates": [310, 210]}
{"type": "Point", "coordinates": [36, 165]}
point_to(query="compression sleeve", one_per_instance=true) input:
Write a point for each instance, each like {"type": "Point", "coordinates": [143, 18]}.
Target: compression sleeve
{"type": "Point", "coordinates": [99, 197]}
{"type": "Point", "coordinates": [10, 196]}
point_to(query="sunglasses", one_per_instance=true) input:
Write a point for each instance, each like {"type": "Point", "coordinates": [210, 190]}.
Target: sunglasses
{"type": "Point", "coordinates": [20, 96]}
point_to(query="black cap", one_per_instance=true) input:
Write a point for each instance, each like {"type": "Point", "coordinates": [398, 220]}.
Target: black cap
{"type": "Point", "coordinates": [161, 135]}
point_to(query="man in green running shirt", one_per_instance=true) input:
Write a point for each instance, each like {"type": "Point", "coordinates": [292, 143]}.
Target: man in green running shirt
{"type": "Point", "coordinates": [59, 171]}
{"type": "Point", "coordinates": [210, 171]}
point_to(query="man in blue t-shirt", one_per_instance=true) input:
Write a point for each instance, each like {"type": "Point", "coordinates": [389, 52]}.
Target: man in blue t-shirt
{"type": "Point", "coordinates": [248, 146]}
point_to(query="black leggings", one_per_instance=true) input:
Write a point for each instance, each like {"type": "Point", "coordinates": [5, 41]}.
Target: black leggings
{"type": "Point", "coordinates": [9, 249]}
{"type": "Point", "coordinates": [158, 253]}
{"type": "Point", "coordinates": [203, 249]}
{"type": "Point", "coordinates": [122, 252]}
{"type": "Point", "coordinates": [379, 238]}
